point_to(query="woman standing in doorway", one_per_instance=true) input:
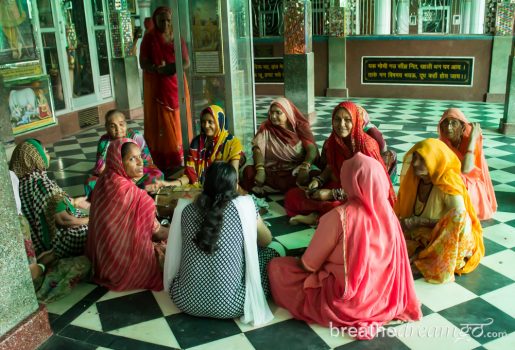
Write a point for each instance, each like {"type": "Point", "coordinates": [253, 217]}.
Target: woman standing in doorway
{"type": "Point", "coordinates": [160, 89]}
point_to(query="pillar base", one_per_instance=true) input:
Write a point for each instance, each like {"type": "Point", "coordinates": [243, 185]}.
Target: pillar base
{"type": "Point", "coordinates": [331, 92]}
{"type": "Point", "coordinates": [30, 333]}
{"type": "Point", "coordinates": [495, 98]}
{"type": "Point", "coordinates": [507, 128]}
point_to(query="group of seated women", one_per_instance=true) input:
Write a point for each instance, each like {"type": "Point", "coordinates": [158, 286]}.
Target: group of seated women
{"type": "Point", "coordinates": [217, 259]}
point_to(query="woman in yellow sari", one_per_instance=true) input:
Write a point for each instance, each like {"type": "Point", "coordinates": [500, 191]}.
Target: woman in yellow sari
{"type": "Point", "coordinates": [214, 143]}
{"type": "Point", "coordinates": [442, 231]}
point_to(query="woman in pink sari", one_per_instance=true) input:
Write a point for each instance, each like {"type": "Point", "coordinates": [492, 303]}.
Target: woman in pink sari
{"type": "Point", "coordinates": [355, 272]}
{"type": "Point", "coordinates": [123, 225]}
{"type": "Point", "coordinates": [466, 141]}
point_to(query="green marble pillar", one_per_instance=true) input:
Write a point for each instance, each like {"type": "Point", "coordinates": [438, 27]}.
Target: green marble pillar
{"type": "Point", "coordinates": [499, 69]}
{"type": "Point", "coordinates": [299, 82]}
{"type": "Point", "coordinates": [127, 85]}
{"type": "Point", "coordinates": [299, 73]}
{"type": "Point", "coordinates": [337, 68]}
{"type": "Point", "coordinates": [17, 295]}
{"type": "Point", "coordinates": [508, 121]}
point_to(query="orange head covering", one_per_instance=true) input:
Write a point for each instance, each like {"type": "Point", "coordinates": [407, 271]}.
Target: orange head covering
{"type": "Point", "coordinates": [444, 169]}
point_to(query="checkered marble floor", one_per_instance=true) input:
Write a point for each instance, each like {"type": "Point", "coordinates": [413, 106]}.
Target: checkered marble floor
{"type": "Point", "coordinates": [481, 304]}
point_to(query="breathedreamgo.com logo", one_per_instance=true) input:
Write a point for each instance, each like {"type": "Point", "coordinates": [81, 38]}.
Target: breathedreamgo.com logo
{"type": "Point", "coordinates": [463, 332]}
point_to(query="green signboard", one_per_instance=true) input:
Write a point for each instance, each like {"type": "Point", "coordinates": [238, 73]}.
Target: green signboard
{"type": "Point", "coordinates": [409, 70]}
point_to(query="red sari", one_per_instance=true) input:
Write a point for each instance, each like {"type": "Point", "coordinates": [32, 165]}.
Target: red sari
{"type": "Point", "coordinates": [336, 150]}
{"type": "Point", "coordinates": [356, 268]}
{"type": "Point", "coordinates": [478, 181]}
{"type": "Point", "coordinates": [162, 120]}
{"type": "Point", "coordinates": [122, 220]}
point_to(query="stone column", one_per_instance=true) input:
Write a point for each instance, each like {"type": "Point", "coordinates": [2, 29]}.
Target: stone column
{"type": "Point", "coordinates": [22, 325]}
{"type": "Point", "coordinates": [299, 75]}
{"type": "Point", "coordinates": [402, 25]}
{"type": "Point", "coordinates": [465, 16]}
{"type": "Point", "coordinates": [477, 17]}
{"type": "Point", "coordinates": [337, 67]}
{"type": "Point", "coordinates": [144, 9]}
{"type": "Point", "coordinates": [499, 68]}
{"type": "Point", "coordinates": [508, 121]}
{"type": "Point", "coordinates": [382, 17]}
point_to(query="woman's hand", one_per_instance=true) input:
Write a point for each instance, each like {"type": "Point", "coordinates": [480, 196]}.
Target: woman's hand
{"type": "Point", "coordinates": [476, 131]}
{"type": "Point", "coordinates": [65, 219]}
{"type": "Point", "coordinates": [302, 177]}
{"type": "Point", "coordinates": [152, 188]}
{"type": "Point", "coordinates": [322, 195]}
{"type": "Point", "coordinates": [313, 185]}
{"type": "Point", "coordinates": [260, 177]}
{"type": "Point", "coordinates": [161, 234]}
{"type": "Point", "coordinates": [81, 203]}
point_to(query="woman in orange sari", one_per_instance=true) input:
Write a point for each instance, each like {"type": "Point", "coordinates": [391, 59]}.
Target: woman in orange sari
{"type": "Point", "coordinates": [355, 272]}
{"type": "Point", "coordinates": [440, 225]}
{"type": "Point", "coordinates": [162, 122]}
{"type": "Point", "coordinates": [466, 141]}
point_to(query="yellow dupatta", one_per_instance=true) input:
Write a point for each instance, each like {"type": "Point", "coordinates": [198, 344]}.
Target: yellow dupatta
{"type": "Point", "coordinates": [444, 168]}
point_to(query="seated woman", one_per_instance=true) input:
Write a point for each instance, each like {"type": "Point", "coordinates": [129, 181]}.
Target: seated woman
{"type": "Point", "coordinates": [123, 225]}
{"type": "Point", "coordinates": [214, 143]}
{"type": "Point", "coordinates": [58, 225]}
{"type": "Point", "coordinates": [436, 213]}
{"type": "Point", "coordinates": [213, 266]}
{"type": "Point", "coordinates": [389, 156]}
{"type": "Point", "coordinates": [324, 191]}
{"type": "Point", "coordinates": [52, 279]}
{"type": "Point", "coordinates": [466, 141]}
{"type": "Point", "coordinates": [355, 271]}
{"type": "Point", "coordinates": [116, 128]}
{"type": "Point", "coordinates": [284, 150]}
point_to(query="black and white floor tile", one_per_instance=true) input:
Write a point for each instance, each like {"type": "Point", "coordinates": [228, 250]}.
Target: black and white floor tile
{"type": "Point", "coordinates": [476, 311]}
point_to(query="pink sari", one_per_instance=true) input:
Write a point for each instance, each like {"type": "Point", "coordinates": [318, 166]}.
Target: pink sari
{"type": "Point", "coordinates": [478, 182]}
{"type": "Point", "coordinates": [356, 269]}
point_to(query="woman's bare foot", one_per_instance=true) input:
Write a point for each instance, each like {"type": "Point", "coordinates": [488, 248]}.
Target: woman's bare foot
{"type": "Point", "coordinates": [46, 258]}
{"type": "Point", "coordinates": [310, 219]}
{"type": "Point", "coordinates": [35, 271]}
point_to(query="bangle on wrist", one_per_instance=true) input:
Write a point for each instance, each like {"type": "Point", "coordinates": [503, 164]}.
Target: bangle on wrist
{"type": "Point", "coordinates": [43, 268]}
{"type": "Point", "coordinates": [319, 180]}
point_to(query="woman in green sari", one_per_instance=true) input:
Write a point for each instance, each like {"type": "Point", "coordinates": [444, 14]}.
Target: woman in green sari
{"type": "Point", "coordinates": [56, 221]}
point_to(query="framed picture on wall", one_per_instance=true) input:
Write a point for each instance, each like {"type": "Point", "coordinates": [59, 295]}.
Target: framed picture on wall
{"type": "Point", "coordinates": [29, 103]}
{"type": "Point", "coordinates": [206, 36]}
{"type": "Point", "coordinates": [16, 32]}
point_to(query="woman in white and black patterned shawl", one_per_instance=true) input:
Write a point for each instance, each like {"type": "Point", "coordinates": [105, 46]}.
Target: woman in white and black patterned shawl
{"type": "Point", "coordinates": [57, 223]}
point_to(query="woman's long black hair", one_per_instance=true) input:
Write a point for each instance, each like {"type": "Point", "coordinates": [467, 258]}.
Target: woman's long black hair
{"type": "Point", "coordinates": [219, 189]}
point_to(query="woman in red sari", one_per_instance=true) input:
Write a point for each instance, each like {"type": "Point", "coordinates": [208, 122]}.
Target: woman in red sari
{"type": "Point", "coordinates": [284, 150]}
{"type": "Point", "coordinates": [466, 141]}
{"type": "Point", "coordinates": [325, 191]}
{"type": "Point", "coordinates": [123, 225]}
{"type": "Point", "coordinates": [356, 271]}
{"type": "Point", "coordinates": [162, 122]}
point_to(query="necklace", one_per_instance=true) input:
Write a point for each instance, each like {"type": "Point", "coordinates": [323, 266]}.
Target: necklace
{"type": "Point", "coordinates": [426, 187]}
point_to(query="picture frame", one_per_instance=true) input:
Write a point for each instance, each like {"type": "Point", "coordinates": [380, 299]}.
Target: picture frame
{"type": "Point", "coordinates": [17, 43]}
{"type": "Point", "coordinates": [206, 37]}
{"type": "Point", "coordinates": [29, 103]}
